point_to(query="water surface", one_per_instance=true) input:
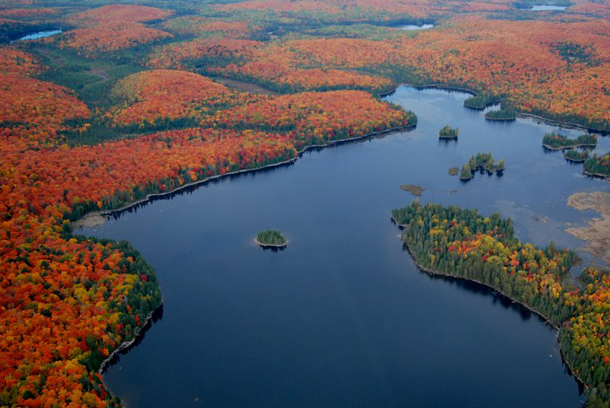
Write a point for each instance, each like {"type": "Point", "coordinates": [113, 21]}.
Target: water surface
{"type": "Point", "coordinates": [411, 27]}
{"type": "Point", "coordinates": [37, 35]}
{"type": "Point", "coordinates": [548, 8]}
{"type": "Point", "coordinates": [343, 317]}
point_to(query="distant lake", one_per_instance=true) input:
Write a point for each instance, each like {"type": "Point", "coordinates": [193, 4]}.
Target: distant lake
{"type": "Point", "coordinates": [343, 317]}
{"type": "Point", "coordinates": [411, 27]}
{"type": "Point", "coordinates": [548, 8]}
{"type": "Point", "coordinates": [38, 34]}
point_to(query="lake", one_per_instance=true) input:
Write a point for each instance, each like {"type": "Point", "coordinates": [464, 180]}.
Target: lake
{"type": "Point", "coordinates": [343, 317]}
{"type": "Point", "coordinates": [548, 8]}
{"type": "Point", "coordinates": [38, 34]}
{"type": "Point", "coordinates": [411, 27]}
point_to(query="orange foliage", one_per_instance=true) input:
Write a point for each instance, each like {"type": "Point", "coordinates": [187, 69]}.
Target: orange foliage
{"type": "Point", "coordinates": [29, 101]}
{"type": "Point", "coordinates": [283, 6]}
{"type": "Point", "coordinates": [63, 300]}
{"type": "Point", "coordinates": [279, 64]}
{"type": "Point", "coordinates": [556, 69]}
{"type": "Point", "coordinates": [27, 12]}
{"type": "Point", "coordinates": [179, 55]}
{"type": "Point", "coordinates": [166, 94]}
{"type": "Point", "coordinates": [110, 37]}
{"type": "Point", "coordinates": [113, 27]}
{"type": "Point", "coordinates": [601, 9]}
{"type": "Point", "coordinates": [14, 61]}
{"type": "Point", "coordinates": [314, 117]}
{"type": "Point", "coordinates": [117, 13]}
{"type": "Point", "coordinates": [521, 60]}
{"type": "Point", "coordinates": [163, 94]}
{"type": "Point", "coordinates": [204, 27]}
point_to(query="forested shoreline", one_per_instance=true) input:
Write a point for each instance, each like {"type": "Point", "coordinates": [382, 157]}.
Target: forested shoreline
{"type": "Point", "coordinates": [115, 109]}
{"type": "Point", "coordinates": [461, 243]}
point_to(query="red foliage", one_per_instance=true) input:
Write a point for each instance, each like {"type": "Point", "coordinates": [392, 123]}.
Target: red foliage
{"type": "Point", "coordinates": [117, 13]}
{"type": "Point", "coordinates": [110, 37]}
{"type": "Point", "coordinates": [14, 61]}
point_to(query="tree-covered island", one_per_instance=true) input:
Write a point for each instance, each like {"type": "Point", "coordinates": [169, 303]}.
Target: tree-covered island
{"type": "Point", "coordinates": [557, 141]}
{"type": "Point", "coordinates": [501, 115]}
{"type": "Point", "coordinates": [271, 238]}
{"type": "Point", "coordinates": [598, 166]}
{"type": "Point", "coordinates": [576, 156]}
{"type": "Point", "coordinates": [481, 161]}
{"type": "Point", "coordinates": [448, 132]}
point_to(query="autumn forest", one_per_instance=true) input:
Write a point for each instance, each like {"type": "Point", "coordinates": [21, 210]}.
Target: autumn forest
{"type": "Point", "coordinates": [132, 100]}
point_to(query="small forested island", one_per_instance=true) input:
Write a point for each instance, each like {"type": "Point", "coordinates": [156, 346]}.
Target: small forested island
{"type": "Point", "coordinates": [448, 132]}
{"type": "Point", "coordinates": [461, 243]}
{"type": "Point", "coordinates": [557, 141]}
{"type": "Point", "coordinates": [576, 156]}
{"type": "Point", "coordinates": [271, 238]}
{"type": "Point", "coordinates": [481, 101]}
{"type": "Point", "coordinates": [481, 161]}
{"type": "Point", "coordinates": [501, 115]}
{"type": "Point", "coordinates": [598, 166]}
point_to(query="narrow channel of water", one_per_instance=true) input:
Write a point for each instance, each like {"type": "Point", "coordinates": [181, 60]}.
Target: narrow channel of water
{"type": "Point", "coordinates": [343, 317]}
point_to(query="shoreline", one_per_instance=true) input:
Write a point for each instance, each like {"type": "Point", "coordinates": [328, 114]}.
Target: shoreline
{"type": "Point", "coordinates": [598, 175]}
{"type": "Point", "coordinates": [523, 115]}
{"type": "Point", "coordinates": [271, 245]}
{"type": "Point", "coordinates": [500, 119]}
{"type": "Point", "coordinates": [433, 272]}
{"type": "Point", "coordinates": [118, 211]}
{"type": "Point", "coordinates": [148, 321]}
{"type": "Point", "coordinates": [575, 160]}
{"type": "Point", "coordinates": [127, 343]}
{"type": "Point", "coordinates": [558, 149]}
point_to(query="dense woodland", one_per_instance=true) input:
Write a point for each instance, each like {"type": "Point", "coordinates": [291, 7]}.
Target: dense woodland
{"type": "Point", "coordinates": [462, 243]}
{"type": "Point", "coordinates": [598, 165]}
{"type": "Point", "coordinates": [576, 156]}
{"type": "Point", "coordinates": [501, 114]}
{"type": "Point", "coordinates": [271, 238]}
{"type": "Point", "coordinates": [483, 162]}
{"type": "Point", "coordinates": [556, 141]}
{"type": "Point", "coordinates": [448, 132]}
{"type": "Point", "coordinates": [124, 103]}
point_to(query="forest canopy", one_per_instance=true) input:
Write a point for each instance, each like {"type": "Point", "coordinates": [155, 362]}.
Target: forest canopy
{"type": "Point", "coordinates": [127, 100]}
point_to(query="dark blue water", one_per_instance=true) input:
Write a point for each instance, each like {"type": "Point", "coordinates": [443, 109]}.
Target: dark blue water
{"type": "Point", "coordinates": [342, 317]}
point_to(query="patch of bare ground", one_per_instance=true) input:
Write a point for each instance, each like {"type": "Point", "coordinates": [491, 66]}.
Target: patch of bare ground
{"type": "Point", "coordinates": [597, 231]}
{"type": "Point", "coordinates": [90, 220]}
